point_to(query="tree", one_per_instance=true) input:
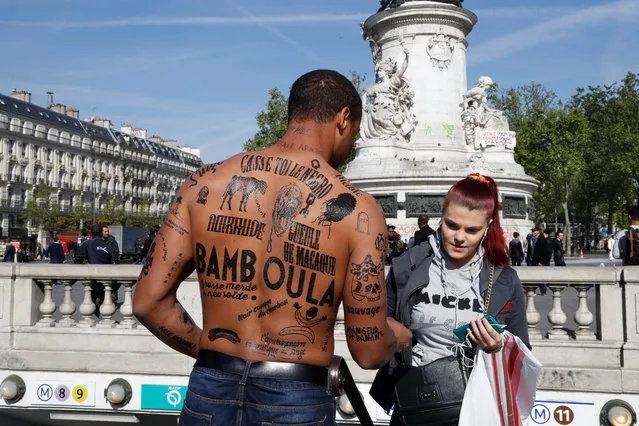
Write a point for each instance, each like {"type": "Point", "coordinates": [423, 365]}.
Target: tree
{"type": "Point", "coordinates": [272, 122]}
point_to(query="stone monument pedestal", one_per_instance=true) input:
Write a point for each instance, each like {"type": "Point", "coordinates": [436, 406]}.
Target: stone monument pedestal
{"type": "Point", "coordinates": [422, 129]}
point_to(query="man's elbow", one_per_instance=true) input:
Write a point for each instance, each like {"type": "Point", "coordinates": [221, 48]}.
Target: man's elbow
{"type": "Point", "coordinates": [369, 359]}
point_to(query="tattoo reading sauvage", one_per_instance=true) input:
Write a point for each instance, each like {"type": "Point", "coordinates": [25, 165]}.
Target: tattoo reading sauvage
{"type": "Point", "coordinates": [365, 284]}
{"type": "Point", "coordinates": [363, 334]}
{"type": "Point", "coordinates": [368, 311]}
{"type": "Point", "coordinates": [249, 187]}
{"type": "Point", "coordinates": [223, 333]}
{"type": "Point", "coordinates": [305, 323]}
{"type": "Point", "coordinates": [263, 309]}
{"type": "Point", "coordinates": [241, 226]}
{"type": "Point", "coordinates": [335, 210]}
{"type": "Point", "coordinates": [203, 195]}
{"type": "Point", "coordinates": [209, 168]}
{"type": "Point", "coordinates": [312, 179]}
{"type": "Point", "coordinates": [287, 204]}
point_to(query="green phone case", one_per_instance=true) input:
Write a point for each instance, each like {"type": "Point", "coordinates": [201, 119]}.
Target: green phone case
{"type": "Point", "coordinates": [461, 332]}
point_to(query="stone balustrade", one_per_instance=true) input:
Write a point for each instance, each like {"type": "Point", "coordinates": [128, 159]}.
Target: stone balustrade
{"type": "Point", "coordinates": [584, 330]}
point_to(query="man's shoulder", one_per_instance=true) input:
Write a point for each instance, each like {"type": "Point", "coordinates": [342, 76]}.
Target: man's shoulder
{"type": "Point", "coordinates": [621, 233]}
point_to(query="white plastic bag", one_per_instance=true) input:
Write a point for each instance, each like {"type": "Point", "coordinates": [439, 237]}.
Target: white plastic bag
{"type": "Point", "coordinates": [502, 386]}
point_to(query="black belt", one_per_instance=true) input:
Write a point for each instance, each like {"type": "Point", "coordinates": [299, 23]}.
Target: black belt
{"type": "Point", "coordinates": [263, 369]}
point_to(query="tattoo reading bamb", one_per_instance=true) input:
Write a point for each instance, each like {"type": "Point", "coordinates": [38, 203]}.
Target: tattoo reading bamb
{"type": "Point", "coordinates": [248, 187]}
{"type": "Point", "coordinates": [365, 284]}
{"type": "Point", "coordinates": [243, 262]}
{"type": "Point", "coordinates": [224, 333]}
{"type": "Point", "coordinates": [335, 210]}
{"type": "Point", "coordinates": [305, 323]}
{"type": "Point", "coordinates": [287, 204]}
{"type": "Point", "coordinates": [241, 226]}
{"type": "Point", "coordinates": [363, 223]}
{"type": "Point", "coordinates": [203, 195]}
{"type": "Point", "coordinates": [363, 334]}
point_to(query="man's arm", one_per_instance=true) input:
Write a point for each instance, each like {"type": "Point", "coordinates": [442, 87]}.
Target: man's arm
{"type": "Point", "coordinates": [80, 254]}
{"type": "Point", "coordinates": [370, 339]}
{"type": "Point", "coordinates": [168, 263]}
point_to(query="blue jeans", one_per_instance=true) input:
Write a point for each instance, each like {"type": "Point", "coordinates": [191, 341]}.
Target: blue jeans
{"type": "Point", "coordinates": [216, 397]}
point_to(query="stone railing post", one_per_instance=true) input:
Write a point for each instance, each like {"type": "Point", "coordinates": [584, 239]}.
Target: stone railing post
{"type": "Point", "coordinates": [533, 316]}
{"type": "Point", "coordinates": [557, 317]}
{"type": "Point", "coordinates": [107, 308]}
{"type": "Point", "coordinates": [47, 307]}
{"type": "Point", "coordinates": [87, 308]}
{"type": "Point", "coordinates": [67, 307]}
{"type": "Point", "coordinates": [583, 317]}
{"type": "Point", "coordinates": [630, 280]}
{"type": "Point", "coordinates": [128, 320]}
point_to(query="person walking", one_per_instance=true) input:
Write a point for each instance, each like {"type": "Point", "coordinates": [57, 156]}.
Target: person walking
{"type": "Point", "coordinates": [516, 250]}
{"type": "Point", "coordinates": [531, 240]}
{"type": "Point", "coordinates": [9, 251]}
{"type": "Point", "coordinates": [95, 251]}
{"type": "Point", "coordinates": [250, 227]}
{"type": "Point", "coordinates": [626, 245]}
{"type": "Point", "coordinates": [112, 242]}
{"type": "Point", "coordinates": [558, 249]}
{"type": "Point", "coordinates": [424, 230]}
{"type": "Point", "coordinates": [433, 290]}
{"type": "Point", "coordinates": [611, 246]}
{"type": "Point", "coordinates": [55, 252]}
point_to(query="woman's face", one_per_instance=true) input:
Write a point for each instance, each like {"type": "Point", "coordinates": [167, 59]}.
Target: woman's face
{"type": "Point", "coordinates": [462, 232]}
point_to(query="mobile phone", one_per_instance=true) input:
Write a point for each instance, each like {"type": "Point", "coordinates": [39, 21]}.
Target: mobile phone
{"type": "Point", "coordinates": [461, 332]}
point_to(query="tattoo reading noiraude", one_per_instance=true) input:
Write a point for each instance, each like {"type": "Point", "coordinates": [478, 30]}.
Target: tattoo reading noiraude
{"type": "Point", "coordinates": [363, 334]}
{"type": "Point", "coordinates": [312, 179]}
{"type": "Point", "coordinates": [224, 333]}
{"type": "Point", "coordinates": [335, 210]}
{"type": "Point", "coordinates": [365, 284]}
{"type": "Point", "coordinates": [263, 309]}
{"type": "Point", "coordinates": [209, 168]}
{"type": "Point", "coordinates": [178, 340]}
{"type": "Point", "coordinates": [248, 187]}
{"type": "Point", "coordinates": [240, 226]}
{"type": "Point", "coordinates": [287, 204]}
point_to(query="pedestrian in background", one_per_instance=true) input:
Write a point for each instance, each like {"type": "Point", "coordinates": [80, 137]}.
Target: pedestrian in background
{"type": "Point", "coordinates": [55, 252]}
{"type": "Point", "coordinates": [558, 249]}
{"type": "Point", "coordinates": [516, 250]}
{"type": "Point", "coordinates": [9, 252]}
{"type": "Point", "coordinates": [96, 251]}
{"type": "Point", "coordinates": [531, 240]}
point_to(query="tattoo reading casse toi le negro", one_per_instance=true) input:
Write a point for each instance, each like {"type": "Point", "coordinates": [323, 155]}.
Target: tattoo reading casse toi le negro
{"type": "Point", "coordinates": [248, 187]}
{"type": "Point", "coordinates": [287, 204]}
{"type": "Point", "coordinates": [209, 168]}
{"type": "Point", "coordinates": [223, 333]}
{"type": "Point", "coordinates": [312, 179]}
{"type": "Point", "coordinates": [335, 210]}
{"type": "Point", "coordinates": [365, 284]}
{"type": "Point", "coordinates": [363, 334]}
{"type": "Point", "coordinates": [231, 225]}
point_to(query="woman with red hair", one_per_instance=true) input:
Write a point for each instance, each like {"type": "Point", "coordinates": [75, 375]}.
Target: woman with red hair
{"type": "Point", "coordinates": [441, 294]}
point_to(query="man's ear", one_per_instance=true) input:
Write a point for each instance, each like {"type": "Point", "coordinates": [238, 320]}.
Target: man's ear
{"type": "Point", "coordinates": [344, 119]}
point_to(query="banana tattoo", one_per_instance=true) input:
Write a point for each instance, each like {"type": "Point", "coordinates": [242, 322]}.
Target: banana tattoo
{"type": "Point", "coordinates": [305, 323]}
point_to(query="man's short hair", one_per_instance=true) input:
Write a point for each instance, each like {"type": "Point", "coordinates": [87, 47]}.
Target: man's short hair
{"type": "Point", "coordinates": [55, 238]}
{"type": "Point", "coordinates": [515, 234]}
{"type": "Point", "coordinates": [96, 230]}
{"type": "Point", "coordinates": [633, 212]}
{"type": "Point", "coordinates": [320, 94]}
{"type": "Point", "coordinates": [422, 220]}
{"type": "Point", "coordinates": [536, 228]}
{"type": "Point", "coordinates": [548, 231]}
{"type": "Point", "coordinates": [390, 227]}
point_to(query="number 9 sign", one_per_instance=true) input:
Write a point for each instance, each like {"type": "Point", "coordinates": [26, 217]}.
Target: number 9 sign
{"type": "Point", "coordinates": [80, 393]}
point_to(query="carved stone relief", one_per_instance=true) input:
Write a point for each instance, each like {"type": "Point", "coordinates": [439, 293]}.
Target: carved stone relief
{"type": "Point", "coordinates": [440, 49]}
{"type": "Point", "coordinates": [388, 204]}
{"type": "Point", "coordinates": [514, 208]}
{"type": "Point", "coordinates": [531, 209]}
{"type": "Point", "coordinates": [417, 204]}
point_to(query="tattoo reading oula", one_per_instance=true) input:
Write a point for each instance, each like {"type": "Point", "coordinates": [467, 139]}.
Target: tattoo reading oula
{"type": "Point", "coordinates": [365, 284]}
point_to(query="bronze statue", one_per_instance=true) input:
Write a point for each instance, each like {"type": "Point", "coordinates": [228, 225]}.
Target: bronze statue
{"type": "Point", "coordinates": [389, 4]}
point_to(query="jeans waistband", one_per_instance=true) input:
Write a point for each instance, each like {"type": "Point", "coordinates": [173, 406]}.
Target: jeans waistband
{"type": "Point", "coordinates": [263, 369]}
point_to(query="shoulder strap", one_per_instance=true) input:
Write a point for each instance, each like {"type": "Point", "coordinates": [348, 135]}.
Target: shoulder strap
{"type": "Point", "coordinates": [490, 288]}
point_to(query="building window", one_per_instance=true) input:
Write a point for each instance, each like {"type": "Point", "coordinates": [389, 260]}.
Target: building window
{"type": "Point", "coordinates": [11, 144]}
{"type": "Point", "coordinates": [49, 154]}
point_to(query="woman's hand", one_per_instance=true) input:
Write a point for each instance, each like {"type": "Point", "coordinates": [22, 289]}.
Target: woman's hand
{"type": "Point", "coordinates": [482, 333]}
{"type": "Point", "coordinates": [402, 334]}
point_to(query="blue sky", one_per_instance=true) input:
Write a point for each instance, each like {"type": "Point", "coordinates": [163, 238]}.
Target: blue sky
{"type": "Point", "coordinates": [199, 70]}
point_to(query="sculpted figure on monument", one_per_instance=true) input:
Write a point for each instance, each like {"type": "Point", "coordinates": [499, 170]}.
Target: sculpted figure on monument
{"type": "Point", "coordinates": [389, 4]}
{"type": "Point", "coordinates": [388, 104]}
{"type": "Point", "coordinates": [477, 115]}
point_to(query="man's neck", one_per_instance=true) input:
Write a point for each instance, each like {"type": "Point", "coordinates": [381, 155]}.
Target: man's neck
{"type": "Point", "coordinates": [308, 136]}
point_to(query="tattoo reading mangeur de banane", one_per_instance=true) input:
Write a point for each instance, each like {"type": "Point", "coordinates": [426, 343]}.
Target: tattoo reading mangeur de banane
{"type": "Point", "coordinates": [314, 180]}
{"type": "Point", "coordinates": [241, 265]}
{"type": "Point", "coordinates": [363, 334]}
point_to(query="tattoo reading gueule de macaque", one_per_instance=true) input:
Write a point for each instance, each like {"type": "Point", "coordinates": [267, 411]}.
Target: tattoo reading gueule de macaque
{"type": "Point", "coordinates": [335, 210]}
{"type": "Point", "coordinates": [224, 333]}
{"type": "Point", "coordinates": [287, 204]}
{"type": "Point", "coordinates": [209, 168]}
{"type": "Point", "coordinates": [203, 195]}
{"type": "Point", "coordinates": [304, 235]}
{"type": "Point", "coordinates": [312, 179]}
{"type": "Point", "coordinates": [363, 334]}
{"type": "Point", "coordinates": [309, 259]}
{"type": "Point", "coordinates": [263, 309]}
{"type": "Point", "coordinates": [365, 284]}
{"type": "Point", "coordinates": [241, 226]}
{"type": "Point", "coordinates": [305, 323]}
{"type": "Point", "coordinates": [178, 340]}
{"type": "Point", "coordinates": [248, 187]}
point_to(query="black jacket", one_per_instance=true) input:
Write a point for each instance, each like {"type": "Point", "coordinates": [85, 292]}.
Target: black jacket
{"type": "Point", "coordinates": [558, 252]}
{"type": "Point", "coordinates": [422, 234]}
{"type": "Point", "coordinates": [96, 252]}
{"type": "Point", "coordinates": [543, 251]}
{"type": "Point", "coordinates": [516, 250]}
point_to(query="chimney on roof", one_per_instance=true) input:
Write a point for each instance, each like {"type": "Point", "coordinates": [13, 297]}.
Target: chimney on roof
{"type": "Point", "coordinates": [62, 109]}
{"type": "Point", "coordinates": [102, 122]}
{"type": "Point", "coordinates": [50, 96]}
{"type": "Point", "coordinates": [73, 112]}
{"type": "Point", "coordinates": [139, 133]}
{"type": "Point", "coordinates": [127, 129]}
{"type": "Point", "coordinates": [172, 143]}
{"type": "Point", "coordinates": [21, 95]}
{"type": "Point", "coordinates": [156, 139]}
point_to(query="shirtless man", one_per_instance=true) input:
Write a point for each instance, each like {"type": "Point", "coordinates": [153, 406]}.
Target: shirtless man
{"type": "Point", "coordinates": [278, 239]}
